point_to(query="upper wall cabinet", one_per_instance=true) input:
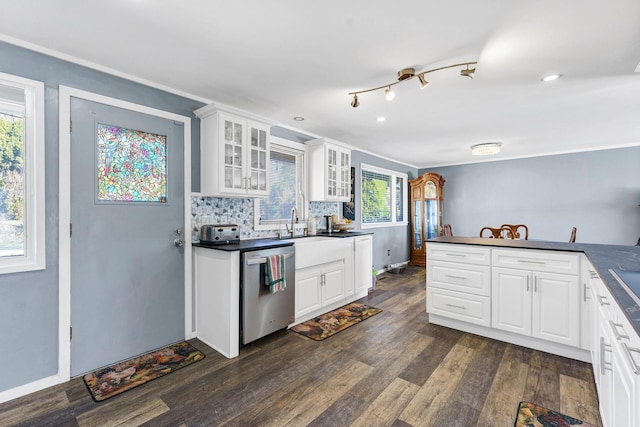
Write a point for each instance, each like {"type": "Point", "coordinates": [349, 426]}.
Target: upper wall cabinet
{"type": "Point", "coordinates": [234, 152]}
{"type": "Point", "coordinates": [329, 167]}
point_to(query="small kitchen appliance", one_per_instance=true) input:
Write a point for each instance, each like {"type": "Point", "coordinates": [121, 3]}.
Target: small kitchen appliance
{"type": "Point", "coordinates": [219, 234]}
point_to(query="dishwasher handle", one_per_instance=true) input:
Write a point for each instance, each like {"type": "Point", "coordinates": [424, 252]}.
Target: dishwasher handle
{"type": "Point", "coordinates": [263, 260]}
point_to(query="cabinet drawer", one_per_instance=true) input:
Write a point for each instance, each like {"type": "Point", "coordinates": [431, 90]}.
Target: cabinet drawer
{"type": "Point", "coordinates": [456, 305]}
{"type": "Point", "coordinates": [474, 279]}
{"type": "Point", "coordinates": [549, 261]}
{"type": "Point", "coordinates": [467, 254]}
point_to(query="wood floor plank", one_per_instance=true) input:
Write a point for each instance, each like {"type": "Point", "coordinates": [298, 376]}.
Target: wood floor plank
{"type": "Point", "coordinates": [543, 381]}
{"type": "Point", "coordinates": [388, 405]}
{"type": "Point", "coordinates": [34, 408]}
{"type": "Point", "coordinates": [579, 400]}
{"type": "Point", "coordinates": [434, 394]}
{"type": "Point", "coordinates": [505, 394]}
{"type": "Point", "coordinates": [122, 415]}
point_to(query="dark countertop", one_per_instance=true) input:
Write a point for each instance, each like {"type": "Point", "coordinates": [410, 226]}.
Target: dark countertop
{"type": "Point", "coordinates": [269, 243]}
{"type": "Point", "coordinates": [602, 257]}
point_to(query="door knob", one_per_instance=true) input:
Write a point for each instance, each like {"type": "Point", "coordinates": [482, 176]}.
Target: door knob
{"type": "Point", "coordinates": [178, 243]}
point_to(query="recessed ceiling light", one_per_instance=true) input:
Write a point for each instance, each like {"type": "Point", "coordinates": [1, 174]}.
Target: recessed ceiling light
{"type": "Point", "coordinates": [486, 148]}
{"type": "Point", "coordinates": [298, 118]}
{"type": "Point", "coordinates": [381, 119]}
{"type": "Point", "coordinates": [551, 77]}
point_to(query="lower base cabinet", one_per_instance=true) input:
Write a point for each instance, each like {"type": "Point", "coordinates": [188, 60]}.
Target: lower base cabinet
{"type": "Point", "coordinates": [319, 286]}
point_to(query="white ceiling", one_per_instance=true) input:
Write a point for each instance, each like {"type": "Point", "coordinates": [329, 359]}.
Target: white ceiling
{"type": "Point", "coordinates": [286, 58]}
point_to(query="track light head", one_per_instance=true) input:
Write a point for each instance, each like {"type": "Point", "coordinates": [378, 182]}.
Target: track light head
{"type": "Point", "coordinates": [355, 103]}
{"type": "Point", "coordinates": [423, 82]}
{"type": "Point", "coordinates": [468, 72]}
{"type": "Point", "coordinates": [389, 94]}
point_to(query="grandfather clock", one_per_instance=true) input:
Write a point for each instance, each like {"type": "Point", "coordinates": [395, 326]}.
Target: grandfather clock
{"type": "Point", "coordinates": [426, 213]}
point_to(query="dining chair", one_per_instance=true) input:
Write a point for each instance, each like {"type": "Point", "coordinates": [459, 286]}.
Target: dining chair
{"type": "Point", "coordinates": [447, 230]}
{"type": "Point", "coordinates": [494, 233]}
{"type": "Point", "coordinates": [513, 232]}
{"type": "Point", "coordinates": [572, 239]}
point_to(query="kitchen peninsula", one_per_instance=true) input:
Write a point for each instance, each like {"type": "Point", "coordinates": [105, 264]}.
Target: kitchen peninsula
{"type": "Point", "coordinates": [562, 298]}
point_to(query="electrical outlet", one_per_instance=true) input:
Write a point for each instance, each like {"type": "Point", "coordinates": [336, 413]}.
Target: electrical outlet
{"type": "Point", "coordinates": [388, 252]}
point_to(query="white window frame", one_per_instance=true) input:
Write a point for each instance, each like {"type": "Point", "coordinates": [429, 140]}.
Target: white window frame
{"type": "Point", "coordinates": [299, 150]}
{"type": "Point", "coordinates": [394, 175]}
{"type": "Point", "coordinates": [34, 175]}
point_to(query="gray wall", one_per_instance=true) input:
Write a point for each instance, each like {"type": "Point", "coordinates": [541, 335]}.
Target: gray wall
{"type": "Point", "coordinates": [393, 239]}
{"type": "Point", "coordinates": [598, 192]}
{"type": "Point", "coordinates": [29, 301]}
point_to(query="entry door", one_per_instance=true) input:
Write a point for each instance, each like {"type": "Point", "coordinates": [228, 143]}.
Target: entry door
{"type": "Point", "coordinates": [127, 270]}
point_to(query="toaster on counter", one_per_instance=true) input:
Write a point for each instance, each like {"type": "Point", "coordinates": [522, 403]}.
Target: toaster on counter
{"type": "Point", "coordinates": [219, 234]}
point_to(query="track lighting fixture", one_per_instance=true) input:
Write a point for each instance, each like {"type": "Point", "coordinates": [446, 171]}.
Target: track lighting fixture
{"type": "Point", "coordinates": [389, 94]}
{"type": "Point", "coordinates": [355, 103]}
{"type": "Point", "coordinates": [408, 74]}
{"type": "Point", "coordinates": [468, 72]}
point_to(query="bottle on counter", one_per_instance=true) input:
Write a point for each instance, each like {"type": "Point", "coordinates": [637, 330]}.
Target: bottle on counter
{"type": "Point", "coordinates": [312, 226]}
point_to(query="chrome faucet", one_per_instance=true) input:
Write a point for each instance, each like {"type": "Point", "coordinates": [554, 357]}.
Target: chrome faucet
{"type": "Point", "coordinates": [294, 219]}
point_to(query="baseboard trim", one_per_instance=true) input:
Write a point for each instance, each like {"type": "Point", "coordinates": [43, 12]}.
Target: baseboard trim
{"type": "Point", "coordinates": [23, 390]}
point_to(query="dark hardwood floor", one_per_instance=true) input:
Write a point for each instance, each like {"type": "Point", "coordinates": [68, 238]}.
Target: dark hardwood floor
{"type": "Point", "coordinates": [394, 369]}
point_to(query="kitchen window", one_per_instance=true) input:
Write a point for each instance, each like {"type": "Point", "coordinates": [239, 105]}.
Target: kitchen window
{"type": "Point", "coordinates": [22, 234]}
{"type": "Point", "coordinates": [384, 202]}
{"type": "Point", "coordinates": [286, 184]}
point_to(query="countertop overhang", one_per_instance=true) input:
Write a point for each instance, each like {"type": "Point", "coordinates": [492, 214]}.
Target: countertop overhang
{"type": "Point", "coordinates": [602, 257]}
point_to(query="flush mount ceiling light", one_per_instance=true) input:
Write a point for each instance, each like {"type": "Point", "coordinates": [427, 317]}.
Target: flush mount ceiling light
{"type": "Point", "coordinates": [408, 74]}
{"type": "Point", "coordinates": [486, 148]}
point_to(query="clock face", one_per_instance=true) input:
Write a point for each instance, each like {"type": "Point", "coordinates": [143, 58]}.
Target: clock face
{"type": "Point", "coordinates": [430, 191]}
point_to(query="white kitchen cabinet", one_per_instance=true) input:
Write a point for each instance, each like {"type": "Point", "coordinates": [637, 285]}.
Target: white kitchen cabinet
{"type": "Point", "coordinates": [459, 283]}
{"type": "Point", "coordinates": [540, 304]}
{"type": "Point", "coordinates": [234, 152]}
{"type": "Point", "coordinates": [617, 364]}
{"type": "Point", "coordinates": [329, 171]}
{"type": "Point", "coordinates": [363, 265]}
{"type": "Point", "coordinates": [319, 286]}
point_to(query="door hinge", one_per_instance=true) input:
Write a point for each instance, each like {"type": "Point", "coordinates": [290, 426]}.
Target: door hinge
{"type": "Point", "coordinates": [70, 333]}
{"type": "Point", "coordinates": [70, 229]}
{"type": "Point", "coordinates": [70, 126]}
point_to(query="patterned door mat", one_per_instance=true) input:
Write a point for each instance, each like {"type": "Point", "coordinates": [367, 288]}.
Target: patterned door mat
{"type": "Point", "coordinates": [532, 415]}
{"type": "Point", "coordinates": [331, 323]}
{"type": "Point", "coordinates": [115, 379]}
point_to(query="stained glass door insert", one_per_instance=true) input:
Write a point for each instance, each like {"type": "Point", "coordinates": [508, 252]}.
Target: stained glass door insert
{"type": "Point", "coordinates": [132, 165]}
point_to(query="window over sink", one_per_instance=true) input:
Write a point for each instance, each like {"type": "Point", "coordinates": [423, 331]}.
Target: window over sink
{"type": "Point", "coordinates": [286, 186]}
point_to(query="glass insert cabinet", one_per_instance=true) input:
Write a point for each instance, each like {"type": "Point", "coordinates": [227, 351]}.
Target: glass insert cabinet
{"type": "Point", "coordinates": [426, 213]}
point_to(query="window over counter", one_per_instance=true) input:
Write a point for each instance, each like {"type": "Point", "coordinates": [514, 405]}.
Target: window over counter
{"type": "Point", "coordinates": [22, 218]}
{"type": "Point", "coordinates": [286, 186]}
{"type": "Point", "coordinates": [384, 201]}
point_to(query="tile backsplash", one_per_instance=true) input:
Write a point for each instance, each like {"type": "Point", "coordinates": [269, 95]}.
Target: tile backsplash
{"type": "Point", "coordinates": [219, 210]}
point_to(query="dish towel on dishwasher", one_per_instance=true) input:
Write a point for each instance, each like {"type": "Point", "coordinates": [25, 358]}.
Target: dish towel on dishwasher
{"type": "Point", "coordinates": [274, 273]}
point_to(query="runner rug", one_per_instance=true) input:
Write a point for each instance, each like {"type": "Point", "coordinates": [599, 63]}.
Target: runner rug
{"type": "Point", "coordinates": [531, 415]}
{"type": "Point", "coordinates": [115, 379]}
{"type": "Point", "coordinates": [331, 323]}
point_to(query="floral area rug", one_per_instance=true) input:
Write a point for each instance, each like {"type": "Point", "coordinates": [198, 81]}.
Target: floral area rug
{"type": "Point", "coordinates": [531, 415]}
{"type": "Point", "coordinates": [115, 379]}
{"type": "Point", "coordinates": [331, 323]}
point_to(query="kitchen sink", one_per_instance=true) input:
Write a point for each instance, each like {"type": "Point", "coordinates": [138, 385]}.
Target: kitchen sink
{"type": "Point", "coordinates": [316, 250]}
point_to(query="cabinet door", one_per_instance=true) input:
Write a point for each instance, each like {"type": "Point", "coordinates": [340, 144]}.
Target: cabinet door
{"type": "Point", "coordinates": [232, 139]}
{"type": "Point", "coordinates": [258, 161]}
{"type": "Point", "coordinates": [623, 387]}
{"type": "Point", "coordinates": [333, 284]}
{"type": "Point", "coordinates": [345, 175]}
{"type": "Point", "coordinates": [308, 291]}
{"type": "Point", "coordinates": [363, 262]}
{"type": "Point", "coordinates": [556, 315]}
{"type": "Point", "coordinates": [331, 183]}
{"type": "Point", "coordinates": [604, 371]}
{"type": "Point", "coordinates": [511, 300]}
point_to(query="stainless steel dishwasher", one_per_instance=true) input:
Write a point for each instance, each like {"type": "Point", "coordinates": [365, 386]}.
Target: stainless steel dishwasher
{"type": "Point", "coordinates": [261, 312]}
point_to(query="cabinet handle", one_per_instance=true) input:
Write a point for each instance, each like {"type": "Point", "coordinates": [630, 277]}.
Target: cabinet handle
{"type": "Point", "coordinates": [585, 297]}
{"type": "Point", "coordinates": [603, 300]}
{"type": "Point", "coordinates": [632, 362]}
{"type": "Point", "coordinates": [535, 283]}
{"type": "Point", "coordinates": [528, 283]}
{"type": "Point", "coordinates": [456, 277]}
{"type": "Point", "coordinates": [526, 261]}
{"type": "Point", "coordinates": [456, 306]}
{"type": "Point", "coordinates": [604, 365]}
{"type": "Point", "coordinates": [322, 279]}
{"type": "Point", "coordinates": [593, 274]}
{"type": "Point", "coordinates": [614, 327]}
